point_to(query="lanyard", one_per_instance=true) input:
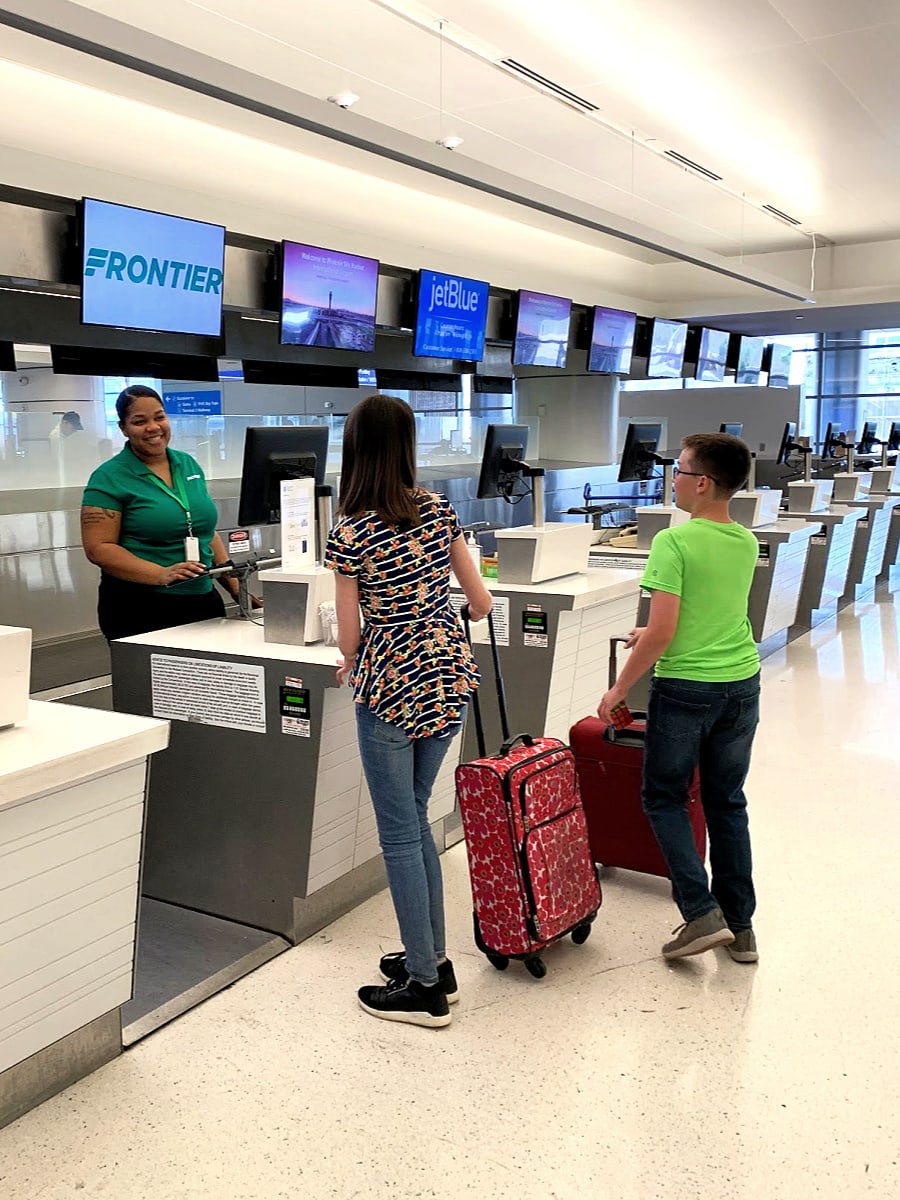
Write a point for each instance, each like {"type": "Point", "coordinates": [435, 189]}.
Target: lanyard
{"type": "Point", "coordinates": [179, 494]}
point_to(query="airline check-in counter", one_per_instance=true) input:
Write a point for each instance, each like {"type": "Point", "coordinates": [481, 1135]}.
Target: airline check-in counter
{"type": "Point", "coordinates": [869, 558]}
{"type": "Point", "coordinates": [828, 562]}
{"type": "Point", "coordinates": [72, 790]}
{"type": "Point", "coordinates": [259, 825]}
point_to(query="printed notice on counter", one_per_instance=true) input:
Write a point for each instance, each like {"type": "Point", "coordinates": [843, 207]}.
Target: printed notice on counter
{"type": "Point", "coordinates": [295, 710]}
{"type": "Point", "coordinates": [208, 691]}
{"type": "Point", "coordinates": [534, 627]}
{"type": "Point", "coordinates": [500, 613]}
{"type": "Point", "coordinates": [298, 539]}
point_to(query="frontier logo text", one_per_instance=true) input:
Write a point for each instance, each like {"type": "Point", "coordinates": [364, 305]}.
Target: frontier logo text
{"type": "Point", "coordinates": [189, 277]}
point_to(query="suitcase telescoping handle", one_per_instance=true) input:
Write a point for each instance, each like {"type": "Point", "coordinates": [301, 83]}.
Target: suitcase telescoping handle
{"type": "Point", "coordinates": [611, 733]}
{"type": "Point", "coordinates": [508, 742]}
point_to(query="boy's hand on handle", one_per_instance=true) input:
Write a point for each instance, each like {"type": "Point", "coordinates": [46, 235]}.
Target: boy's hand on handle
{"type": "Point", "coordinates": [635, 636]}
{"type": "Point", "coordinates": [614, 696]}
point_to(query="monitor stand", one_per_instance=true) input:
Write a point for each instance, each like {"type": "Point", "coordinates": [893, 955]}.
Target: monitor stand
{"type": "Point", "coordinates": [545, 550]}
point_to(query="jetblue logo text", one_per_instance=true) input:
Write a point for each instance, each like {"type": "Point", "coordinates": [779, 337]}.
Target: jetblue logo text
{"type": "Point", "coordinates": [452, 294]}
{"type": "Point", "coordinates": [156, 272]}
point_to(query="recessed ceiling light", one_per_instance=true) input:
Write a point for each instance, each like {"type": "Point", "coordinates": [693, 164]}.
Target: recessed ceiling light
{"type": "Point", "coordinates": [343, 99]}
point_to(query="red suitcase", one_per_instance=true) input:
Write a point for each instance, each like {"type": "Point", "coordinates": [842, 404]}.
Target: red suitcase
{"type": "Point", "coordinates": [609, 770]}
{"type": "Point", "coordinates": [532, 875]}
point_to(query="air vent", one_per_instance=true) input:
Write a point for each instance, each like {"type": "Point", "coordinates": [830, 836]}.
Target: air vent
{"type": "Point", "coordinates": [782, 216]}
{"type": "Point", "coordinates": [548, 85]}
{"type": "Point", "coordinates": [688, 162]}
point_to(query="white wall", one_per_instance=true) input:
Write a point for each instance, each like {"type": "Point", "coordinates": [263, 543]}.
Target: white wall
{"type": "Point", "coordinates": [763, 411]}
{"type": "Point", "coordinates": [577, 415]}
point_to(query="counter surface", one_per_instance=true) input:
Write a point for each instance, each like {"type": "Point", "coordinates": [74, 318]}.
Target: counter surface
{"type": "Point", "coordinates": [61, 744]}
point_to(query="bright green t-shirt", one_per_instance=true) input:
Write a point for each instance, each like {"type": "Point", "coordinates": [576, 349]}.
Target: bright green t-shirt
{"type": "Point", "coordinates": [154, 523]}
{"type": "Point", "coordinates": [710, 566]}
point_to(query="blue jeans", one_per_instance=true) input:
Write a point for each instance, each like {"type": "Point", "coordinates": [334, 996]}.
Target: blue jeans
{"type": "Point", "coordinates": [710, 725]}
{"type": "Point", "coordinates": [400, 772]}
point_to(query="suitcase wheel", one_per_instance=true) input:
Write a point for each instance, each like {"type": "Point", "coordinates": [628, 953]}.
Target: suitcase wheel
{"type": "Point", "coordinates": [581, 933]}
{"type": "Point", "coordinates": [500, 961]}
{"type": "Point", "coordinates": [536, 967]}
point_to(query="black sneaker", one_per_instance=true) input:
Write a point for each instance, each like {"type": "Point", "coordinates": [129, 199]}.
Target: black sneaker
{"type": "Point", "coordinates": [411, 1002]}
{"type": "Point", "coordinates": [392, 968]}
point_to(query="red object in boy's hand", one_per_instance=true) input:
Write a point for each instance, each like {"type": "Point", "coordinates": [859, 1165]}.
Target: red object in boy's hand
{"type": "Point", "coordinates": [620, 716]}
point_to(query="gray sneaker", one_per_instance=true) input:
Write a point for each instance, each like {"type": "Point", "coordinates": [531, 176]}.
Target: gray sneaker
{"type": "Point", "coordinates": [743, 948]}
{"type": "Point", "coordinates": [701, 934]}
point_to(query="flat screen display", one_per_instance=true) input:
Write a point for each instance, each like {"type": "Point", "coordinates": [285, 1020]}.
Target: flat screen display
{"type": "Point", "coordinates": [666, 349]}
{"type": "Point", "coordinates": [148, 270]}
{"type": "Point", "coordinates": [713, 353]}
{"type": "Point", "coordinates": [542, 330]}
{"type": "Point", "coordinates": [749, 360]}
{"type": "Point", "coordinates": [780, 365]}
{"type": "Point", "coordinates": [451, 314]}
{"type": "Point", "coordinates": [612, 341]}
{"type": "Point", "coordinates": [327, 298]}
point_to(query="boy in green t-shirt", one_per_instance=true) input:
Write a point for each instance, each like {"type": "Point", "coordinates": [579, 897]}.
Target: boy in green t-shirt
{"type": "Point", "coordinates": [704, 697]}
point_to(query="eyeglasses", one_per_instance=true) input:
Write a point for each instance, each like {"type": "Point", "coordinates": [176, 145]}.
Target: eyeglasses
{"type": "Point", "coordinates": [676, 471]}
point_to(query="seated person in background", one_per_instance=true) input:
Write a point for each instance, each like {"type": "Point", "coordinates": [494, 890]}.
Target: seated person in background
{"type": "Point", "coordinates": [148, 521]}
{"type": "Point", "coordinates": [704, 697]}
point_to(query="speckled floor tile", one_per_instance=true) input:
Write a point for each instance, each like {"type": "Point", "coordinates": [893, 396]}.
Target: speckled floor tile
{"type": "Point", "coordinates": [618, 1077]}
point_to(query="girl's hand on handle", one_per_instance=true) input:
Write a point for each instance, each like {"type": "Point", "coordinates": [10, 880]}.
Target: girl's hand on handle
{"type": "Point", "coordinates": [343, 671]}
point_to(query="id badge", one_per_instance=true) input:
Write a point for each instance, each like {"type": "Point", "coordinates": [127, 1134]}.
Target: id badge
{"type": "Point", "coordinates": [191, 549]}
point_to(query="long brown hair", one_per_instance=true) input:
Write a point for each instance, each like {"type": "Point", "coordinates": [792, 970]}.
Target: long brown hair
{"type": "Point", "coordinates": [378, 464]}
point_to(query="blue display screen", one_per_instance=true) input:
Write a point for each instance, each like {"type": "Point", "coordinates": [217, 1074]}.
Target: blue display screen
{"type": "Point", "coordinates": [450, 317]}
{"type": "Point", "coordinates": [147, 270]}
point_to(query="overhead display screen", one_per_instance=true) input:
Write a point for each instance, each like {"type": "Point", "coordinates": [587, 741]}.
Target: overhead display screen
{"type": "Point", "coordinates": [666, 349]}
{"type": "Point", "coordinates": [780, 356]}
{"type": "Point", "coordinates": [713, 353]}
{"type": "Point", "coordinates": [327, 298]}
{"type": "Point", "coordinates": [148, 270]}
{"type": "Point", "coordinates": [750, 359]}
{"type": "Point", "coordinates": [612, 341]}
{"type": "Point", "coordinates": [451, 314]}
{"type": "Point", "coordinates": [542, 330]}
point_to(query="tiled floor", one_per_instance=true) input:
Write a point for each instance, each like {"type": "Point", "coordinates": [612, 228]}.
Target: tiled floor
{"type": "Point", "coordinates": [617, 1077]}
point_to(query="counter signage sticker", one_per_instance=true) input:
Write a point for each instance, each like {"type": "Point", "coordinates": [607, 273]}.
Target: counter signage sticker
{"type": "Point", "coordinates": [534, 627]}
{"type": "Point", "coordinates": [295, 711]}
{"type": "Point", "coordinates": [238, 541]}
{"type": "Point", "coordinates": [764, 559]}
{"type": "Point", "coordinates": [208, 691]}
{"type": "Point", "coordinates": [500, 613]}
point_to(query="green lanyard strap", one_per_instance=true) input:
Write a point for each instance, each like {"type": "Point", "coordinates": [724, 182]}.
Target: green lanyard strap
{"type": "Point", "coordinates": [179, 494]}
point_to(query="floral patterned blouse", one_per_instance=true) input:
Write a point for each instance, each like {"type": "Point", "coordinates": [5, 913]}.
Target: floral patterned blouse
{"type": "Point", "coordinates": [414, 667]}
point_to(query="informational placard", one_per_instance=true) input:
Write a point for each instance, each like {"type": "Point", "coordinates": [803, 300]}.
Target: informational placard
{"type": "Point", "coordinates": [199, 403]}
{"type": "Point", "coordinates": [499, 613]}
{"type": "Point", "coordinates": [208, 691]}
{"type": "Point", "coordinates": [450, 317]}
{"type": "Point", "coordinates": [298, 529]}
{"type": "Point", "coordinates": [534, 627]}
{"type": "Point", "coordinates": [295, 708]}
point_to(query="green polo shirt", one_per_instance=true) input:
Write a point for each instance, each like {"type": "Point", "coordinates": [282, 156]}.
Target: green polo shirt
{"type": "Point", "coordinates": [154, 523]}
{"type": "Point", "coordinates": [710, 566]}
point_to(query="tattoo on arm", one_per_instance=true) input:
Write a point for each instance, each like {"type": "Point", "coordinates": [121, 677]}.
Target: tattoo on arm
{"type": "Point", "coordinates": [92, 516]}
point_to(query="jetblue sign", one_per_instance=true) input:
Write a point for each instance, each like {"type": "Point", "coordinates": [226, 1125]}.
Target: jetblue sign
{"type": "Point", "coordinates": [147, 270]}
{"type": "Point", "coordinates": [450, 317]}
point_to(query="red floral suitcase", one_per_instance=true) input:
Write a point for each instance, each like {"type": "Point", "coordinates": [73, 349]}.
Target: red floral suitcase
{"type": "Point", "coordinates": [530, 866]}
{"type": "Point", "coordinates": [609, 763]}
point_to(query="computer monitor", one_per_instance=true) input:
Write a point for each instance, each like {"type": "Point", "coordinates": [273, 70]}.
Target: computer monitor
{"type": "Point", "coordinates": [893, 439]}
{"type": "Point", "coordinates": [612, 341]}
{"type": "Point", "coordinates": [272, 454]}
{"type": "Point", "coordinates": [502, 461]}
{"type": "Point", "coordinates": [745, 356]}
{"type": "Point", "coordinates": [542, 330]}
{"type": "Point", "coordinates": [787, 443]}
{"type": "Point", "coordinates": [867, 438]}
{"type": "Point", "coordinates": [832, 441]}
{"type": "Point", "coordinates": [776, 361]}
{"type": "Point", "coordinates": [639, 452]}
{"type": "Point", "coordinates": [712, 351]}
{"type": "Point", "coordinates": [735, 428]}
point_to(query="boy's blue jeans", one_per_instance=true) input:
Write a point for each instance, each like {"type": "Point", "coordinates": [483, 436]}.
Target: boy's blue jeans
{"type": "Point", "coordinates": [400, 772]}
{"type": "Point", "coordinates": [710, 725]}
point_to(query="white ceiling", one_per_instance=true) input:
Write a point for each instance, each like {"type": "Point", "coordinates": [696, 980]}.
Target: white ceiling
{"type": "Point", "coordinates": [795, 103]}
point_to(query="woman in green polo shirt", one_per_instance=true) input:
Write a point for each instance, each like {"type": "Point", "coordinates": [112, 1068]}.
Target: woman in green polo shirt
{"type": "Point", "coordinates": [148, 521]}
